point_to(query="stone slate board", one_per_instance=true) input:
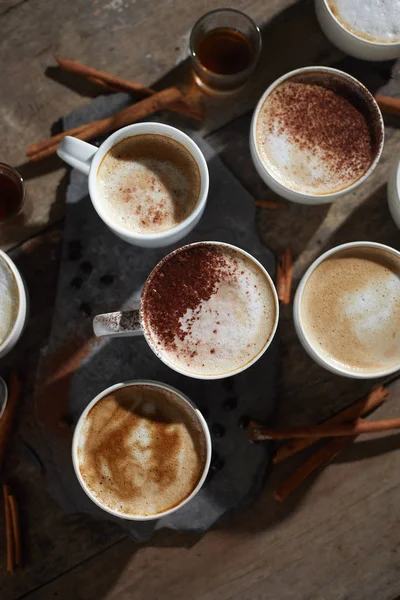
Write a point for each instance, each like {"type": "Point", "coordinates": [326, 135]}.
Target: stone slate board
{"type": "Point", "coordinates": [238, 466]}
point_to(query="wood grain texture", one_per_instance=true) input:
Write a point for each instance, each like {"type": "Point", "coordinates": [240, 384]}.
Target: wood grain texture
{"type": "Point", "coordinates": [337, 537]}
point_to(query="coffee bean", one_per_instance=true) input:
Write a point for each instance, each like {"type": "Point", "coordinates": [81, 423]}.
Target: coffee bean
{"type": "Point", "coordinates": [86, 309]}
{"type": "Point", "coordinates": [230, 404]}
{"type": "Point", "coordinates": [74, 250]}
{"type": "Point", "coordinates": [77, 283]}
{"type": "Point", "coordinates": [217, 462]}
{"type": "Point", "coordinates": [106, 279]}
{"type": "Point", "coordinates": [244, 422]}
{"type": "Point", "coordinates": [86, 267]}
{"type": "Point", "coordinates": [217, 430]}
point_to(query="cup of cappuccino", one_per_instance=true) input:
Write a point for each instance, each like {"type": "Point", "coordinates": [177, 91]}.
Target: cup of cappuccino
{"type": "Point", "coordinates": [208, 310]}
{"type": "Point", "coordinates": [366, 29]}
{"type": "Point", "coordinates": [141, 450]}
{"type": "Point", "coordinates": [316, 134]}
{"type": "Point", "coordinates": [148, 182]}
{"type": "Point", "coordinates": [347, 310]}
{"type": "Point", "coordinates": [13, 304]}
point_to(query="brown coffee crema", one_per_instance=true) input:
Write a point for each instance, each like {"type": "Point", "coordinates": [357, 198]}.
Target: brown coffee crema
{"type": "Point", "coordinates": [318, 133]}
{"type": "Point", "coordinates": [350, 309]}
{"type": "Point", "coordinates": [148, 183]}
{"type": "Point", "coordinates": [142, 450]}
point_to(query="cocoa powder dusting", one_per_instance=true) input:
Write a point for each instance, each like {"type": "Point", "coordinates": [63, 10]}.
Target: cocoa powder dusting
{"type": "Point", "coordinates": [318, 119]}
{"type": "Point", "coordinates": [183, 282]}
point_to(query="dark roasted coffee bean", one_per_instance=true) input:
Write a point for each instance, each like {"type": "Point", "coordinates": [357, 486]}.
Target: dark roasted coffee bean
{"type": "Point", "coordinates": [230, 404]}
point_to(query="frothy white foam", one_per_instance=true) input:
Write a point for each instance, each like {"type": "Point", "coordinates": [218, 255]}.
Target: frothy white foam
{"type": "Point", "coordinates": [351, 311]}
{"type": "Point", "coordinates": [232, 327]}
{"type": "Point", "coordinates": [373, 20]}
{"type": "Point", "coordinates": [8, 300]}
{"type": "Point", "coordinates": [148, 183]}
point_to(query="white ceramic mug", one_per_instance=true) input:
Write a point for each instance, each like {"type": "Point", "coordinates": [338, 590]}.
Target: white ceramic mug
{"type": "Point", "coordinates": [266, 174]}
{"type": "Point", "coordinates": [87, 158]}
{"type": "Point", "coordinates": [394, 192]}
{"type": "Point", "coordinates": [298, 322]}
{"type": "Point", "coordinates": [349, 42]}
{"type": "Point", "coordinates": [131, 323]}
{"type": "Point", "coordinates": [76, 445]}
{"type": "Point", "coordinates": [18, 327]}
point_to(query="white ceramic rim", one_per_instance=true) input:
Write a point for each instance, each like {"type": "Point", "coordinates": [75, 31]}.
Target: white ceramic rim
{"type": "Point", "coordinates": [142, 129]}
{"type": "Point", "coordinates": [109, 390]}
{"type": "Point", "coordinates": [319, 198]}
{"type": "Point", "coordinates": [18, 326]}
{"type": "Point", "coordinates": [357, 37]}
{"type": "Point", "coordinates": [320, 359]}
{"type": "Point", "coordinates": [250, 362]}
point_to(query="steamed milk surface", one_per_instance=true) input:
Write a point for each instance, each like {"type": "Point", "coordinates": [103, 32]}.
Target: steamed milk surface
{"type": "Point", "coordinates": [351, 310]}
{"type": "Point", "coordinates": [373, 20]}
{"type": "Point", "coordinates": [229, 329]}
{"type": "Point", "coordinates": [148, 183]}
{"type": "Point", "coordinates": [141, 450]}
{"type": "Point", "coordinates": [8, 300]}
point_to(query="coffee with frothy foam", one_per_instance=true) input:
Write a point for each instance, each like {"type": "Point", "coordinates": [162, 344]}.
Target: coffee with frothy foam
{"type": "Point", "coordinates": [148, 183]}
{"type": "Point", "coordinates": [318, 133]}
{"type": "Point", "coordinates": [208, 310]}
{"type": "Point", "coordinates": [350, 310]}
{"type": "Point", "coordinates": [372, 20]}
{"type": "Point", "coordinates": [141, 450]}
{"type": "Point", "coordinates": [9, 301]}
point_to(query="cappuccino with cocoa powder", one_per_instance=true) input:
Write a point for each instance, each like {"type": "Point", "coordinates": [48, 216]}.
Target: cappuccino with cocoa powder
{"type": "Point", "coordinates": [318, 133]}
{"type": "Point", "coordinates": [148, 183]}
{"type": "Point", "coordinates": [350, 310]}
{"type": "Point", "coordinates": [141, 450]}
{"type": "Point", "coordinates": [208, 309]}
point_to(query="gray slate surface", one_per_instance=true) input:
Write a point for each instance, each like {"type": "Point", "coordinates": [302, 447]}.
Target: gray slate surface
{"type": "Point", "coordinates": [238, 467]}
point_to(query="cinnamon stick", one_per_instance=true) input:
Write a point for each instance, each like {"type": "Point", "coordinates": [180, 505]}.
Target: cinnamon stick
{"type": "Point", "coordinates": [388, 104]}
{"type": "Point", "coordinates": [285, 276]}
{"type": "Point", "coordinates": [127, 116]}
{"type": "Point", "coordinates": [360, 408]}
{"type": "Point", "coordinates": [9, 530]}
{"type": "Point", "coordinates": [323, 456]}
{"type": "Point", "coordinates": [326, 430]}
{"type": "Point", "coordinates": [118, 84]}
{"type": "Point", "coordinates": [14, 388]}
{"type": "Point", "coordinates": [16, 529]}
{"type": "Point", "coordinates": [36, 148]}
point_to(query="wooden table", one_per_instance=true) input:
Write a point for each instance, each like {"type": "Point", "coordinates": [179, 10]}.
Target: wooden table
{"type": "Point", "coordinates": [337, 537]}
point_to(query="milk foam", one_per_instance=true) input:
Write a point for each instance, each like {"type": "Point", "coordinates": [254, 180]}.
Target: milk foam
{"type": "Point", "coordinates": [297, 144]}
{"type": "Point", "coordinates": [373, 20]}
{"type": "Point", "coordinates": [231, 328]}
{"type": "Point", "coordinates": [148, 183]}
{"type": "Point", "coordinates": [8, 300]}
{"type": "Point", "coordinates": [351, 310]}
{"type": "Point", "coordinates": [141, 450]}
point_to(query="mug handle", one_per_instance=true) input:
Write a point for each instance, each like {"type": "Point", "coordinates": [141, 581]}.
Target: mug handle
{"type": "Point", "coordinates": [76, 153]}
{"type": "Point", "coordinates": [117, 324]}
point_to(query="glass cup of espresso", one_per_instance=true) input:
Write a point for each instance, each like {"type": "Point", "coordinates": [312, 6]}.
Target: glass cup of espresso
{"type": "Point", "coordinates": [208, 310]}
{"type": "Point", "coordinates": [347, 310]}
{"type": "Point", "coordinates": [141, 450]}
{"type": "Point", "coordinates": [12, 193]}
{"type": "Point", "coordinates": [225, 45]}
